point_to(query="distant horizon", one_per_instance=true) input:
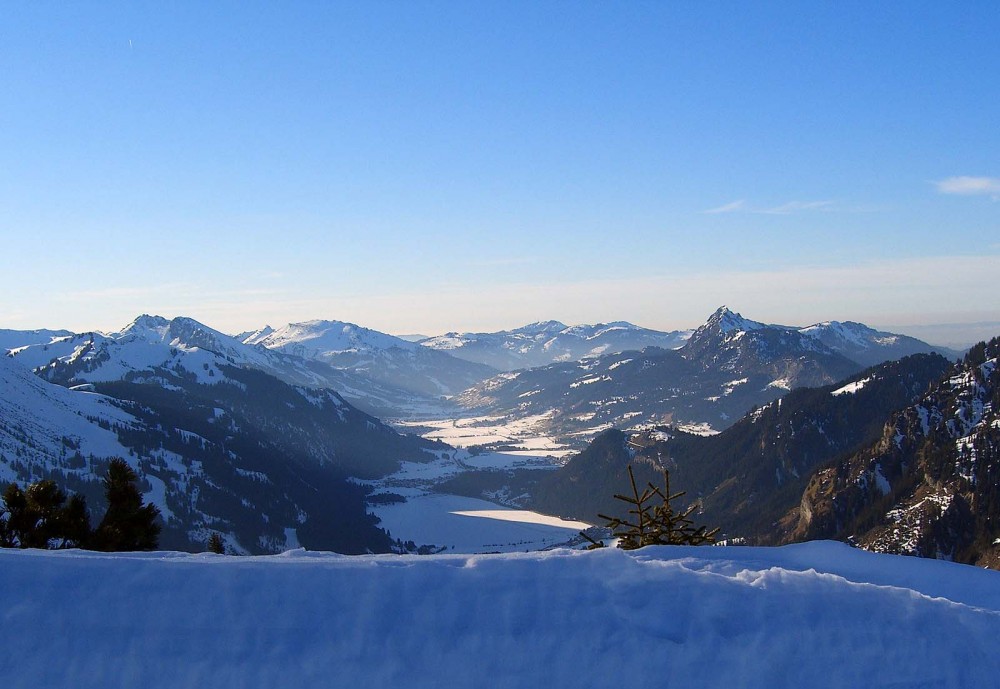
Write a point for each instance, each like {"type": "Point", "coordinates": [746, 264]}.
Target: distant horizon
{"type": "Point", "coordinates": [950, 335]}
{"type": "Point", "coordinates": [436, 166]}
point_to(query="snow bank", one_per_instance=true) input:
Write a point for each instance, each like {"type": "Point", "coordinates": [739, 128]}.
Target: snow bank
{"type": "Point", "coordinates": [812, 615]}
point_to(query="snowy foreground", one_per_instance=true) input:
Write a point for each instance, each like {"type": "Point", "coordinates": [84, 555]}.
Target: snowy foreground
{"type": "Point", "coordinates": [810, 615]}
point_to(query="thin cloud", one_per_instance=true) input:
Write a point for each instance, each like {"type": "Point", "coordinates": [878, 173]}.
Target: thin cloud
{"type": "Point", "coordinates": [798, 207]}
{"type": "Point", "coordinates": [970, 186]}
{"type": "Point", "coordinates": [733, 207]}
{"type": "Point", "coordinates": [787, 208]}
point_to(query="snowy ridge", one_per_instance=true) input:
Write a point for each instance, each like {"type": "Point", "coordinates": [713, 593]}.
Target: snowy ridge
{"type": "Point", "coordinates": [547, 342]}
{"type": "Point", "coordinates": [866, 345]}
{"type": "Point", "coordinates": [818, 614]}
{"type": "Point", "coordinates": [384, 359]}
{"type": "Point", "coordinates": [13, 339]}
{"type": "Point", "coordinates": [154, 347]}
{"type": "Point", "coordinates": [318, 338]}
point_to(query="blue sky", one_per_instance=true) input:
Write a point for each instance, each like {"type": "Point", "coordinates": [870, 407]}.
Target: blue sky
{"type": "Point", "coordinates": [421, 167]}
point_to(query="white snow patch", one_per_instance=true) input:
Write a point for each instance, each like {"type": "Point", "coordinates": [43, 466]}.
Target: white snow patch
{"type": "Point", "coordinates": [469, 525]}
{"type": "Point", "coordinates": [701, 428]}
{"type": "Point", "coordinates": [589, 381]}
{"type": "Point", "coordinates": [852, 388]}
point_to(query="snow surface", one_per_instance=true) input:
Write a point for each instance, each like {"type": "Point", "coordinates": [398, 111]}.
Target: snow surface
{"type": "Point", "coordinates": [810, 615]}
{"type": "Point", "coordinates": [318, 338]}
{"type": "Point", "coordinates": [525, 432]}
{"type": "Point", "coordinates": [50, 416]}
{"type": "Point", "coordinates": [468, 525]}
{"type": "Point", "coordinates": [13, 339]}
{"type": "Point", "coordinates": [852, 388]}
{"type": "Point", "coordinates": [461, 524]}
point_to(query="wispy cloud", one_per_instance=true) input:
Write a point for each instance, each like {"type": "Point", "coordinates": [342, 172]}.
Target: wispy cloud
{"type": "Point", "coordinates": [970, 186]}
{"type": "Point", "coordinates": [733, 207]}
{"type": "Point", "coordinates": [787, 208]}
{"type": "Point", "coordinates": [798, 207]}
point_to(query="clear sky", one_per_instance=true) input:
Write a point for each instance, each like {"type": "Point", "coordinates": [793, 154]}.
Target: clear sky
{"type": "Point", "coordinates": [432, 166]}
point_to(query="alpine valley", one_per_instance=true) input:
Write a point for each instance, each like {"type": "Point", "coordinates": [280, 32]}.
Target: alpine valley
{"type": "Point", "coordinates": [332, 436]}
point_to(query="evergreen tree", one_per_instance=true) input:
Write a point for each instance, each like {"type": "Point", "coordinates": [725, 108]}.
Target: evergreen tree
{"type": "Point", "coordinates": [128, 524]}
{"type": "Point", "coordinates": [39, 517]}
{"type": "Point", "coordinates": [215, 544]}
{"type": "Point", "coordinates": [654, 520]}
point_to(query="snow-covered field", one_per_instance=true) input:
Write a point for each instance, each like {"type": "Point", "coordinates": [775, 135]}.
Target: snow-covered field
{"type": "Point", "coordinates": [468, 525]}
{"type": "Point", "coordinates": [490, 430]}
{"type": "Point", "coordinates": [810, 615]}
{"type": "Point", "coordinates": [461, 524]}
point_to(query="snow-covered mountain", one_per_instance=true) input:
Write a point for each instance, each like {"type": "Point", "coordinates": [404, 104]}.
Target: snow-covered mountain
{"type": "Point", "coordinates": [12, 339]}
{"type": "Point", "coordinates": [385, 359]}
{"type": "Point", "coordinates": [183, 343]}
{"type": "Point", "coordinates": [930, 485]}
{"type": "Point", "coordinates": [729, 342]}
{"type": "Point", "coordinates": [547, 342]}
{"type": "Point", "coordinates": [868, 346]}
{"type": "Point", "coordinates": [809, 615]}
{"type": "Point", "coordinates": [219, 444]}
{"type": "Point", "coordinates": [728, 365]}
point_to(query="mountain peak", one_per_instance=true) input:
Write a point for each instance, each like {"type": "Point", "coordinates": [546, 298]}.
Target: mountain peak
{"type": "Point", "coordinates": [726, 321]}
{"type": "Point", "coordinates": [145, 326]}
{"type": "Point", "coordinates": [539, 327]}
{"type": "Point", "coordinates": [252, 337]}
{"type": "Point", "coordinates": [319, 338]}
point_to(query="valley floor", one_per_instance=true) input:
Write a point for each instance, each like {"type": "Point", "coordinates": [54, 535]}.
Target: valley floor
{"type": "Point", "coordinates": [459, 524]}
{"type": "Point", "coordinates": [810, 615]}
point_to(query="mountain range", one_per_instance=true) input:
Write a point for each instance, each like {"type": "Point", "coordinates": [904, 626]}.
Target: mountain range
{"type": "Point", "coordinates": [548, 342]}
{"type": "Point", "coordinates": [747, 477]}
{"type": "Point", "coordinates": [725, 368]}
{"type": "Point", "coordinates": [901, 458]}
{"type": "Point", "coordinates": [260, 436]}
{"type": "Point", "coordinates": [386, 360]}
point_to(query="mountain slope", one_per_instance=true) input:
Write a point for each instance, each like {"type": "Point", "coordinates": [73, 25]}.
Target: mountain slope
{"type": "Point", "coordinates": [549, 342]}
{"type": "Point", "coordinates": [930, 485]}
{"type": "Point", "coordinates": [47, 431]}
{"type": "Point", "coordinates": [220, 445]}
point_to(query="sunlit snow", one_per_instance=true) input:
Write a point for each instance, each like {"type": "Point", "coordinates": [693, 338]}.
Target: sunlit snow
{"type": "Point", "coordinates": [852, 388]}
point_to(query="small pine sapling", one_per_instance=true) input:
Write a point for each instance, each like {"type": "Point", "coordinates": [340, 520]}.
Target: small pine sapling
{"type": "Point", "coordinates": [653, 520]}
{"type": "Point", "coordinates": [216, 545]}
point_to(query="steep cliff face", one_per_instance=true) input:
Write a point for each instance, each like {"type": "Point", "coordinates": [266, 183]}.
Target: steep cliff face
{"type": "Point", "coordinates": [930, 486]}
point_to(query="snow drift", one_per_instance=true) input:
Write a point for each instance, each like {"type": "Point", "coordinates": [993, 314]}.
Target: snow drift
{"type": "Point", "coordinates": [810, 615]}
